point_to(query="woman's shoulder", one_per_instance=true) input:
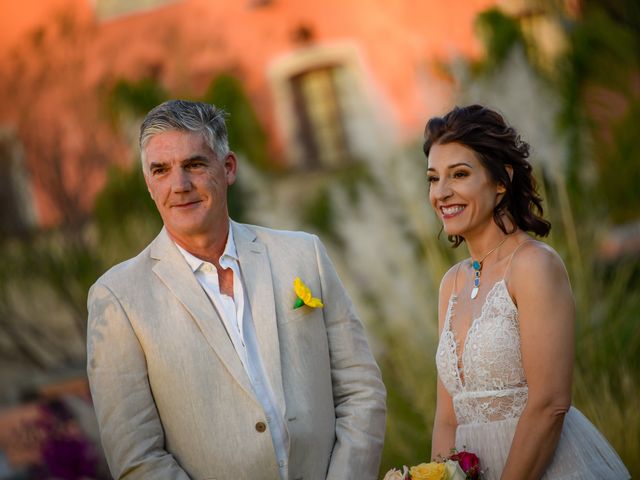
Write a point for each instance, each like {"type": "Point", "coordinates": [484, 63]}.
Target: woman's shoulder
{"type": "Point", "coordinates": [534, 260]}
{"type": "Point", "coordinates": [448, 282]}
{"type": "Point", "coordinates": [537, 252]}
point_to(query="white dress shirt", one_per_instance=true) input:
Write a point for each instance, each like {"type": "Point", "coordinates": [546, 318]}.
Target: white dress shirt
{"type": "Point", "coordinates": [236, 315]}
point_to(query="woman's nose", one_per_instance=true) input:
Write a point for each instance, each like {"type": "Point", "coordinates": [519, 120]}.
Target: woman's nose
{"type": "Point", "coordinates": [442, 189]}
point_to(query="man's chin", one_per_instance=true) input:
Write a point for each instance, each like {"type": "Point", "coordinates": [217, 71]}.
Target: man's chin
{"type": "Point", "coordinates": [185, 231]}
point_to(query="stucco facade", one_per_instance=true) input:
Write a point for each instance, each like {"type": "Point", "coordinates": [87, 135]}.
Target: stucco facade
{"type": "Point", "coordinates": [328, 78]}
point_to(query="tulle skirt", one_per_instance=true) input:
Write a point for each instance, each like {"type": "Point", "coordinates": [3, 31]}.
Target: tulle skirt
{"type": "Point", "coordinates": [582, 452]}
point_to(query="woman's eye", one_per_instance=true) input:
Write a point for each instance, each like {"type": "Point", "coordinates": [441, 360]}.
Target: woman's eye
{"type": "Point", "coordinates": [459, 174]}
{"type": "Point", "coordinates": [431, 179]}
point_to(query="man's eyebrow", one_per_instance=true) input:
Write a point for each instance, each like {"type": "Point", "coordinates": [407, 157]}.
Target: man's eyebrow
{"type": "Point", "coordinates": [197, 156]}
{"type": "Point", "coordinates": [156, 164]}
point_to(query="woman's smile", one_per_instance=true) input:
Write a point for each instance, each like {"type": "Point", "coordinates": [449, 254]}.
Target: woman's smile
{"type": "Point", "coordinates": [450, 211]}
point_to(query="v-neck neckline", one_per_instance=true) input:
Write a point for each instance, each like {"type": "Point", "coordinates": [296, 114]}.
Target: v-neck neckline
{"type": "Point", "coordinates": [460, 367]}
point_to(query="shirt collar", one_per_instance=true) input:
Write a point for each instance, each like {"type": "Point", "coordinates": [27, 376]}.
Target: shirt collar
{"type": "Point", "coordinates": [229, 255]}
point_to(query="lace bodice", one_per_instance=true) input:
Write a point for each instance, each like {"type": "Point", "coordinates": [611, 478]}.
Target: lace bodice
{"type": "Point", "coordinates": [489, 384]}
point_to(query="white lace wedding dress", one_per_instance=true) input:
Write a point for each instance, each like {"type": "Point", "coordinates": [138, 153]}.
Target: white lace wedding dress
{"type": "Point", "coordinates": [491, 392]}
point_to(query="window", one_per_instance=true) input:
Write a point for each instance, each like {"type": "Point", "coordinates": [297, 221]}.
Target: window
{"type": "Point", "coordinates": [319, 126]}
{"type": "Point", "coordinates": [323, 106]}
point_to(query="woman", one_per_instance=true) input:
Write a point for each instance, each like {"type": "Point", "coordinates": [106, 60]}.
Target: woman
{"type": "Point", "coordinates": [505, 355]}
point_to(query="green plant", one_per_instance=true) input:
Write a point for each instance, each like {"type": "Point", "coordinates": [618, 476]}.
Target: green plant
{"type": "Point", "coordinates": [500, 33]}
{"type": "Point", "coordinates": [246, 134]}
{"type": "Point", "coordinates": [135, 97]}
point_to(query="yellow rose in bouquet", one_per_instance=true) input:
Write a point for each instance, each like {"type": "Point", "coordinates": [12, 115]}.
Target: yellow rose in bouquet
{"type": "Point", "coordinates": [448, 470]}
{"type": "Point", "coordinates": [429, 471]}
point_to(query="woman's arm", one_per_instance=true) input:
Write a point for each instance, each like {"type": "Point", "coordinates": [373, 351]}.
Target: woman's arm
{"type": "Point", "coordinates": [444, 423]}
{"type": "Point", "coordinates": [546, 312]}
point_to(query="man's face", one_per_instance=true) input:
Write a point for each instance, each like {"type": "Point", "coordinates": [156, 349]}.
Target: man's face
{"type": "Point", "coordinates": [188, 184]}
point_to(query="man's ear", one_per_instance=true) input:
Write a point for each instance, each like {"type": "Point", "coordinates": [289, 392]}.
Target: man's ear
{"type": "Point", "coordinates": [231, 167]}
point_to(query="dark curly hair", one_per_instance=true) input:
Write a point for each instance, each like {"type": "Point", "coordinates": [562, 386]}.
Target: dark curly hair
{"type": "Point", "coordinates": [496, 145]}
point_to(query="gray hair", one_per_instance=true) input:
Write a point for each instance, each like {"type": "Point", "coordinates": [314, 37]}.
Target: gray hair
{"type": "Point", "coordinates": [182, 115]}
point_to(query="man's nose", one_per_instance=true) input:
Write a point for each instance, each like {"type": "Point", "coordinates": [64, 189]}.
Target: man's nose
{"type": "Point", "coordinates": [180, 181]}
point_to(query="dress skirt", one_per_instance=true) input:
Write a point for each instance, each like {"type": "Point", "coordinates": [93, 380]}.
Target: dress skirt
{"type": "Point", "coordinates": [582, 452]}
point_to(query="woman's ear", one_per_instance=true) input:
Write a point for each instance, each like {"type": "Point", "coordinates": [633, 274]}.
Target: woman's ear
{"type": "Point", "coordinates": [501, 186]}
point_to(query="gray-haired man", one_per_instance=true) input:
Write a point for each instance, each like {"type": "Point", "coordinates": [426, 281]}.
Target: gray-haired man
{"type": "Point", "coordinates": [199, 365]}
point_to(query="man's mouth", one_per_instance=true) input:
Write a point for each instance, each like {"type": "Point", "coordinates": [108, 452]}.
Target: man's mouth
{"type": "Point", "coordinates": [185, 204]}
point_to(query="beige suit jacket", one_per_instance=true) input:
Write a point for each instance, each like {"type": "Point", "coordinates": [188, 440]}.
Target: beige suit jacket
{"type": "Point", "coordinates": [172, 398]}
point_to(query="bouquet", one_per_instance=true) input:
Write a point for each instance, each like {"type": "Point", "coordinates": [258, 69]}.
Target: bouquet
{"type": "Point", "coordinates": [457, 466]}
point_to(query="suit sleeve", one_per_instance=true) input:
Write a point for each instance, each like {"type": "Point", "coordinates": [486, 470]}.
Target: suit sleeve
{"type": "Point", "coordinates": [358, 392]}
{"type": "Point", "coordinates": [130, 427]}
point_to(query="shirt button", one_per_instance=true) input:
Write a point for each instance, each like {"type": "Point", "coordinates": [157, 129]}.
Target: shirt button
{"type": "Point", "coordinates": [261, 427]}
{"type": "Point", "coordinates": [268, 419]}
{"type": "Point", "coordinates": [281, 463]}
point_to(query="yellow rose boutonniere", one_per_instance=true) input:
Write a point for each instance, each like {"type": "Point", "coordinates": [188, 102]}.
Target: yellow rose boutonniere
{"type": "Point", "coordinates": [304, 296]}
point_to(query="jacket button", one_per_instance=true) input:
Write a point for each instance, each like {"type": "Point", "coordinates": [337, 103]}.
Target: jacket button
{"type": "Point", "coordinates": [261, 427]}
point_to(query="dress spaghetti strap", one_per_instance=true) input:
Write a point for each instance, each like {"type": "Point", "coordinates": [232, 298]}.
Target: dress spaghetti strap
{"type": "Point", "coordinates": [513, 254]}
{"type": "Point", "coordinates": [454, 292]}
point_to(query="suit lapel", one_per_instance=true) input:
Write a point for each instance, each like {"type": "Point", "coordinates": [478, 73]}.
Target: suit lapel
{"type": "Point", "coordinates": [256, 272]}
{"type": "Point", "coordinates": [175, 273]}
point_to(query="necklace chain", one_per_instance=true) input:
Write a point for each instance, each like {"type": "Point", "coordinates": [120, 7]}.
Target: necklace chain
{"type": "Point", "coordinates": [477, 267]}
{"type": "Point", "coordinates": [492, 250]}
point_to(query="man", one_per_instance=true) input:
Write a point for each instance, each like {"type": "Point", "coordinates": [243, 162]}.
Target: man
{"type": "Point", "coordinates": [199, 364]}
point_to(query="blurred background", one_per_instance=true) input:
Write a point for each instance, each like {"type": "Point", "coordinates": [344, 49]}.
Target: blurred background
{"type": "Point", "coordinates": [327, 101]}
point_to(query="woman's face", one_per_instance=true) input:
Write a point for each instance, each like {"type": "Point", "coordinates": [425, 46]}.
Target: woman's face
{"type": "Point", "coordinates": [461, 190]}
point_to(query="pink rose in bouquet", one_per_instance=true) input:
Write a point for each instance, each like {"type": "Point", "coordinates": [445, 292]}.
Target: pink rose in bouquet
{"type": "Point", "coordinates": [469, 462]}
